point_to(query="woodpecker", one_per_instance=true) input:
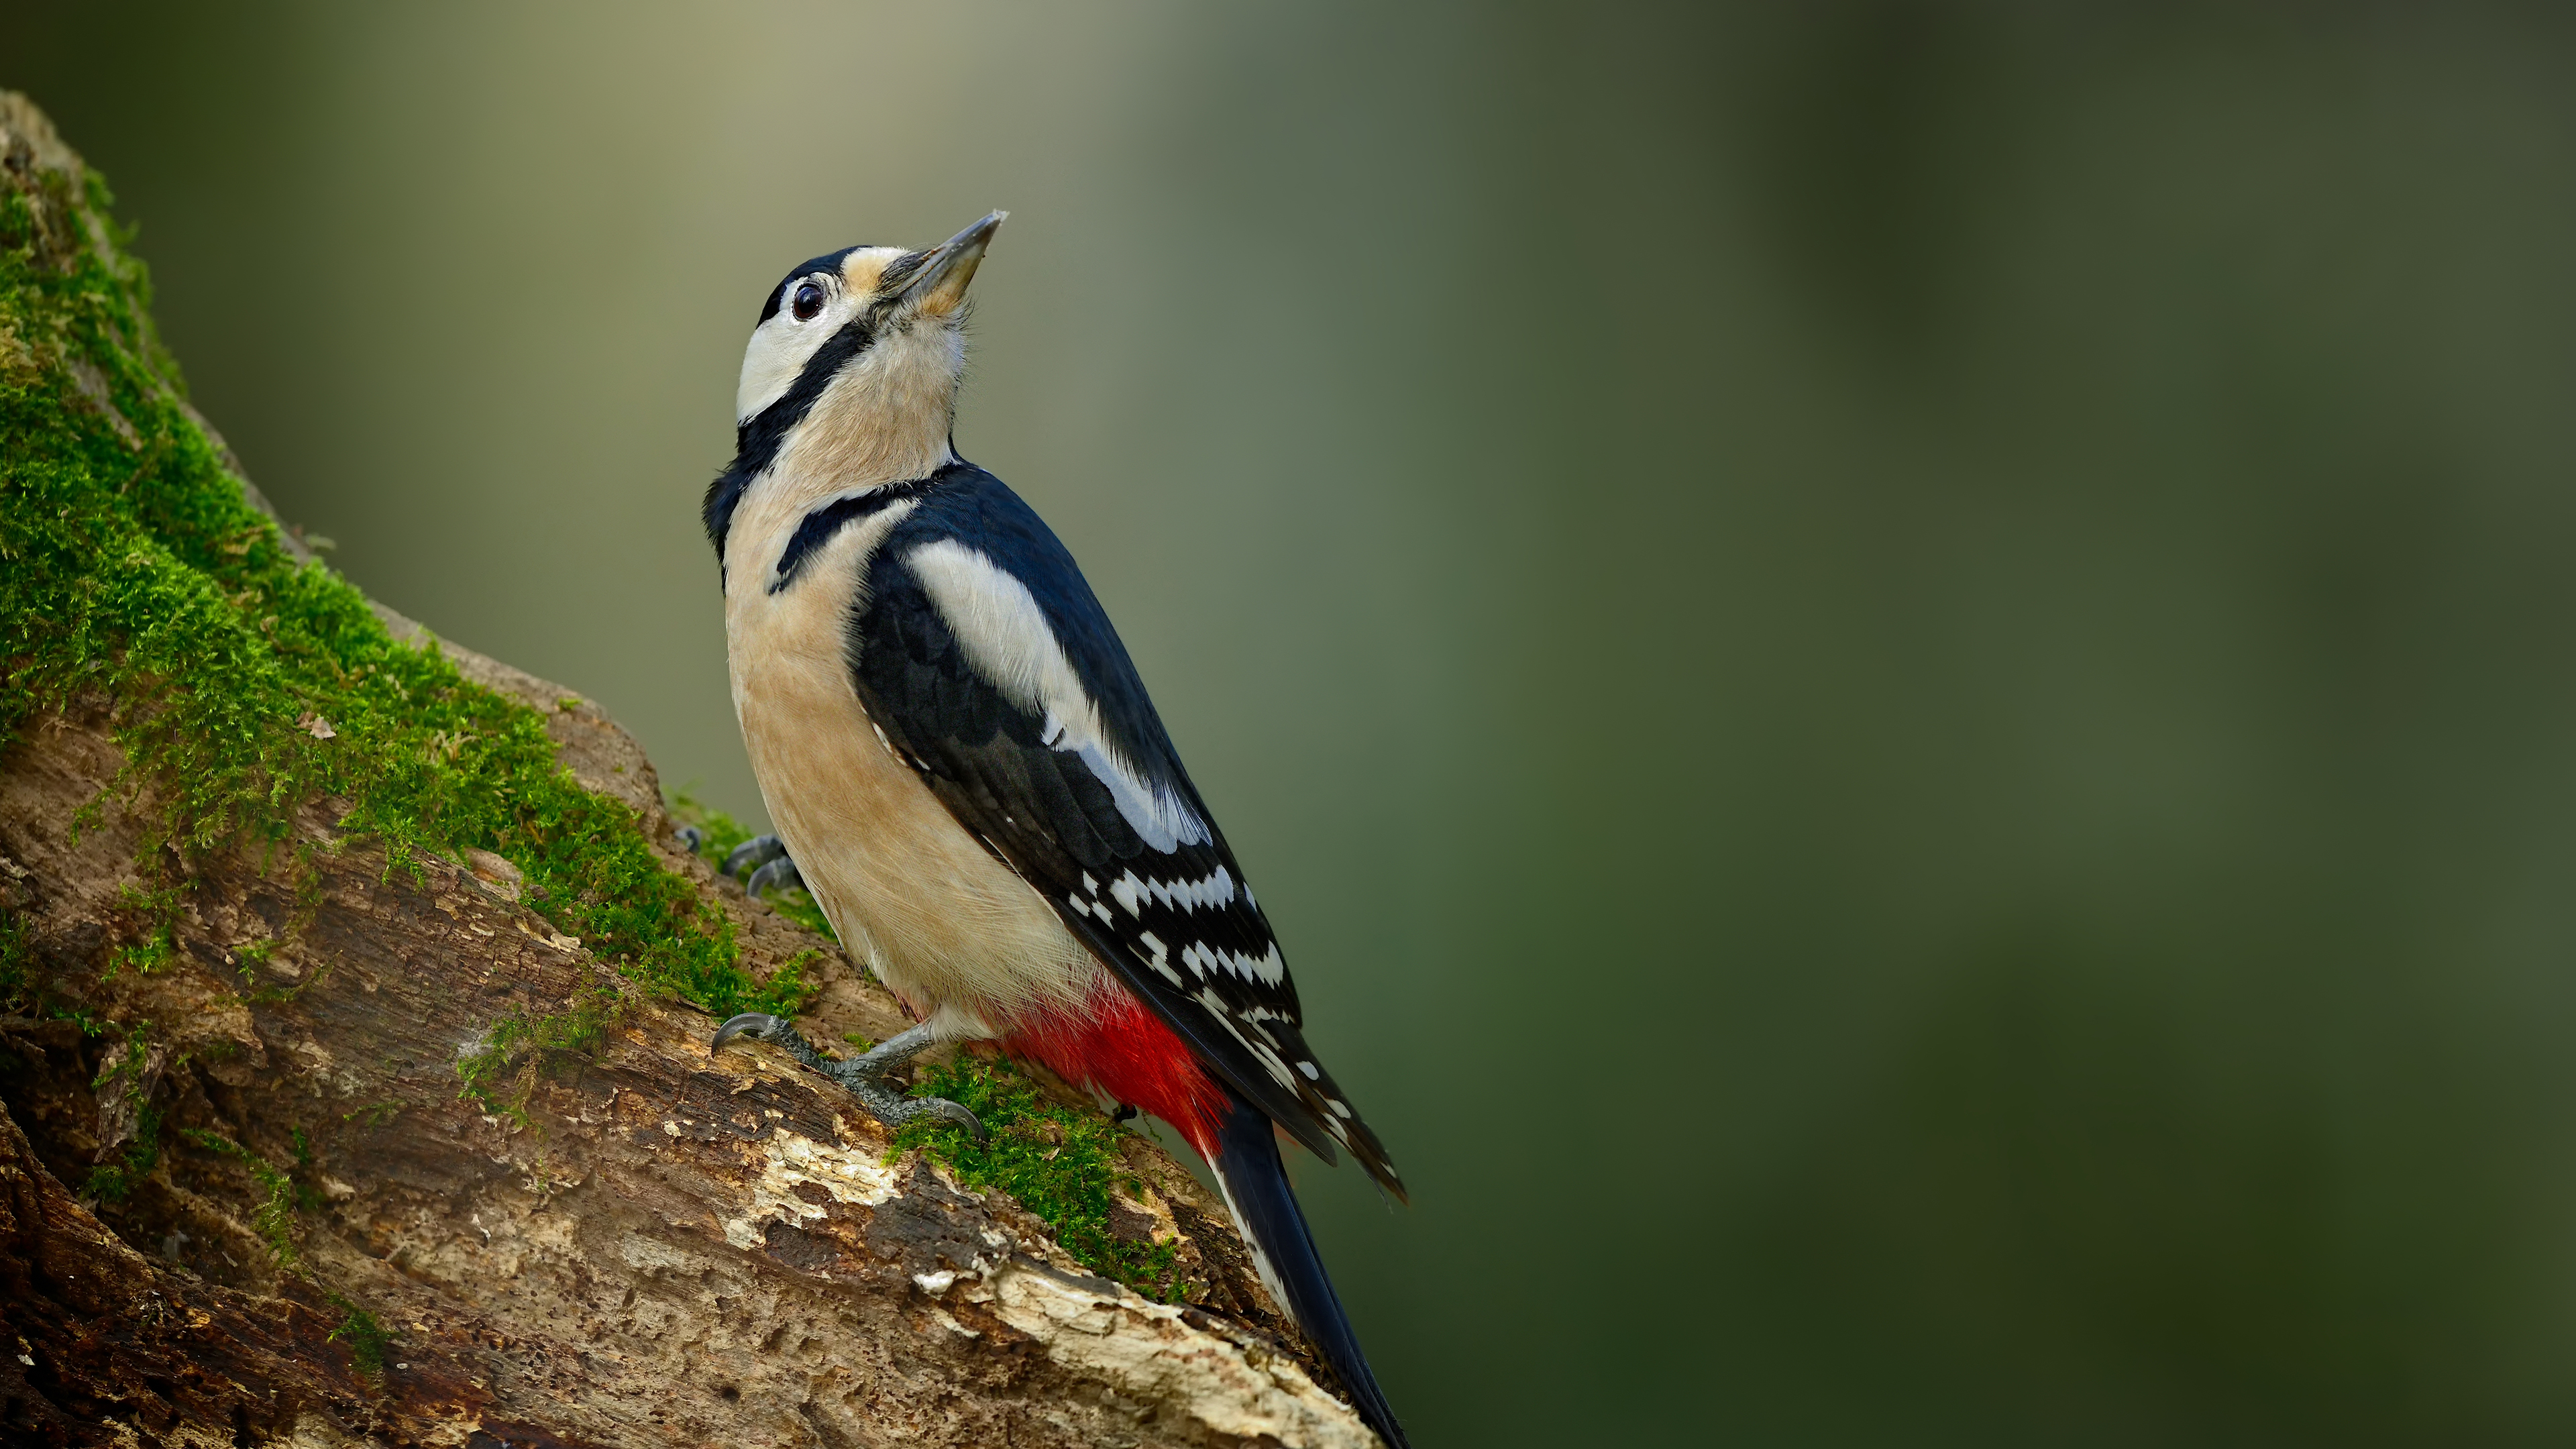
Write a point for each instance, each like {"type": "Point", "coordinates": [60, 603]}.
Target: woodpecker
{"type": "Point", "coordinates": [965, 770]}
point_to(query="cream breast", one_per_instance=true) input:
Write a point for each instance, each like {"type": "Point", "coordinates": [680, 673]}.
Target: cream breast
{"type": "Point", "coordinates": [940, 919]}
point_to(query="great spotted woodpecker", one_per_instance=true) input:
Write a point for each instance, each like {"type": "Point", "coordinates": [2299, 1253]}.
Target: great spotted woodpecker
{"type": "Point", "coordinates": [965, 770]}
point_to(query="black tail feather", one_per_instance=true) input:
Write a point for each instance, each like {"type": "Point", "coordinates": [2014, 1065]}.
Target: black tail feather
{"type": "Point", "coordinates": [1256, 1187]}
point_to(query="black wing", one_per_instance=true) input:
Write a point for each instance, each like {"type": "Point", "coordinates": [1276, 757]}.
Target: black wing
{"type": "Point", "coordinates": [981, 653]}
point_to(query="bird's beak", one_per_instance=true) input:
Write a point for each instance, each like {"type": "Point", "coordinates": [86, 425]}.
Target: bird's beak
{"type": "Point", "coordinates": [940, 285]}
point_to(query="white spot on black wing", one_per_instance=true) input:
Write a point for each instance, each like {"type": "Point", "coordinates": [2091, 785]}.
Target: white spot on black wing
{"type": "Point", "coordinates": [1157, 960]}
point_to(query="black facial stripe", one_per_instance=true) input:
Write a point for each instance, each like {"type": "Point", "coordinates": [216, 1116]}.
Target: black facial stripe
{"type": "Point", "coordinates": [816, 528]}
{"type": "Point", "coordinates": [758, 439]}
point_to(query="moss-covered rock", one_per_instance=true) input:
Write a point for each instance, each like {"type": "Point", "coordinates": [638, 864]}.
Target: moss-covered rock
{"type": "Point", "coordinates": [244, 677]}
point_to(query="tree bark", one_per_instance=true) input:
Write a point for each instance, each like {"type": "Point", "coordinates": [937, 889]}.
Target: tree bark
{"type": "Point", "coordinates": [332, 1246]}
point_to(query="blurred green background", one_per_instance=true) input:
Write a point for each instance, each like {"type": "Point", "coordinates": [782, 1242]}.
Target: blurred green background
{"type": "Point", "coordinates": [1900, 672]}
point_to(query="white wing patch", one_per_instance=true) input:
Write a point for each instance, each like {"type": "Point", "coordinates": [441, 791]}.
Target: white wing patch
{"type": "Point", "coordinates": [1214, 893]}
{"type": "Point", "coordinates": [1160, 960]}
{"type": "Point", "coordinates": [1267, 968]}
{"type": "Point", "coordinates": [1210, 894]}
{"type": "Point", "coordinates": [1007, 639]}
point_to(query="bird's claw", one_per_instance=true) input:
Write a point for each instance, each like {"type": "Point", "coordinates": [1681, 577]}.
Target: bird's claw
{"type": "Point", "coordinates": [691, 838]}
{"type": "Point", "coordinates": [752, 1024]}
{"type": "Point", "coordinates": [768, 862]}
{"type": "Point", "coordinates": [757, 851]}
{"type": "Point", "coordinates": [864, 1075]}
{"type": "Point", "coordinates": [956, 1112]}
{"type": "Point", "coordinates": [779, 872]}
{"type": "Point", "coordinates": [896, 1111]}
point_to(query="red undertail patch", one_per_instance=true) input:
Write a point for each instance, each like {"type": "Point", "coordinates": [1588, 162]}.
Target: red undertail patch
{"type": "Point", "coordinates": [1118, 1047]}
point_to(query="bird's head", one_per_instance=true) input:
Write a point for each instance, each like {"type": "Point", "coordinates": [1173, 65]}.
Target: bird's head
{"type": "Point", "coordinates": [864, 319]}
{"type": "Point", "coordinates": [851, 375]}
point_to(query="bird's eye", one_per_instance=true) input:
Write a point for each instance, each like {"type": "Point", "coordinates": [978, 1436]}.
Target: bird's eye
{"type": "Point", "coordinates": [809, 301]}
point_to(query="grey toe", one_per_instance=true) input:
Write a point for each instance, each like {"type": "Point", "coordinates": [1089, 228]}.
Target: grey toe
{"type": "Point", "coordinates": [752, 1024]}
{"type": "Point", "coordinates": [953, 1111]}
{"type": "Point", "coordinates": [896, 1111]}
{"type": "Point", "coordinates": [779, 872]}
{"type": "Point", "coordinates": [758, 850]}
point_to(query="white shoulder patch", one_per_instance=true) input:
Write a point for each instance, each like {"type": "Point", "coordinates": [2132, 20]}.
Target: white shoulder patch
{"type": "Point", "coordinates": [1007, 638]}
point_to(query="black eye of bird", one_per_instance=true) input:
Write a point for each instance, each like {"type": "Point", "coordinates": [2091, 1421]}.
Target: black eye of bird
{"type": "Point", "coordinates": [809, 300]}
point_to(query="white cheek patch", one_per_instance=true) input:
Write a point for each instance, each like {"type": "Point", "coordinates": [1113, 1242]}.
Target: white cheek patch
{"type": "Point", "coordinates": [1007, 639]}
{"type": "Point", "coordinates": [779, 350]}
{"type": "Point", "coordinates": [781, 346]}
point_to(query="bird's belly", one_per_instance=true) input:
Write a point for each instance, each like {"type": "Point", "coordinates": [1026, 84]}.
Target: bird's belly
{"type": "Point", "coordinates": [951, 928]}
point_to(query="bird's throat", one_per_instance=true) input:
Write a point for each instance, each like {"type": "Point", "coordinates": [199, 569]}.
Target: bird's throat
{"type": "Point", "coordinates": [884, 419]}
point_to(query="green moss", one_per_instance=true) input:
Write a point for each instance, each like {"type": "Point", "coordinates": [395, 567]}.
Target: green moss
{"type": "Point", "coordinates": [1059, 1162]}
{"type": "Point", "coordinates": [156, 914]}
{"type": "Point", "coordinates": [374, 1116]}
{"type": "Point", "coordinates": [718, 834]}
{"type": "Point", "coordinates": [274, 1218]}
{"type": "Point", "coordinates": [368, 1342]}
{"type": "Point", "coordinates": [115, 1179]}
{"type": "Point", "coordinates": [243, 685]}
{"type": "Point", "coordinates": [17, 964]}
{"type": "Point", "coordinates": [518, 1045]}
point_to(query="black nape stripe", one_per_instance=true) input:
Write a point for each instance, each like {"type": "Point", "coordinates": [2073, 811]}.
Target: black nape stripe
{"type": "Point", "coordinates": [816, 528]}
{"type": "Point", "coordinates": [757, 440]}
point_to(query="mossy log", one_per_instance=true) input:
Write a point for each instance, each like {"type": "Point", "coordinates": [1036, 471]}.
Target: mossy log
{"type": "Point", "coordinates": [322, 1127]}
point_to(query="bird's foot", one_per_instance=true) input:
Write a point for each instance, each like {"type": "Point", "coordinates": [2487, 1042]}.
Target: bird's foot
{"type": "Point", "coordinates": [894, 1109]}
{"type": "Point", "coordinates": [865, 1075]}
{"type": "Point", "coordinates": [765, 856]}
{"type": "Point", "coordinates": [778, 873]}
{"type": "Point", "coordinates": [758, 850]}
{"type": "Point", "coordinates": [691, 838]}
